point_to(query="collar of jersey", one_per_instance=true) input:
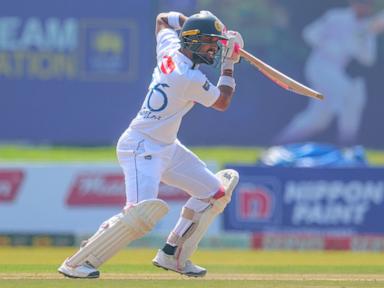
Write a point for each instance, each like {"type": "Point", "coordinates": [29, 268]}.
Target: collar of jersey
{"type": "Point", "coordinates": [186, 60]}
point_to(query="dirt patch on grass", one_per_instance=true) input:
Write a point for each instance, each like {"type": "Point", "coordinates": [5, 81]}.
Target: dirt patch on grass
{"type": "Point", "coordinates": [210, 276]}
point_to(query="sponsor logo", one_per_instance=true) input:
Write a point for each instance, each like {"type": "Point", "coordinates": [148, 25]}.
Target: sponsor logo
{"type": "Point", "coordinates": [108, 49]}
{"type": "Point", "coordinates": [287, 241]}
{"type": "Point", "coordinates": [206, 85]}
{"type": "Point", "coordinates": [167, 65]}
{"type": "Point", "coordinates": [10, 182]}
{"type": "Point", "coordinates": [303, 241]}
{"type": "Point", "coordinates": [367, 243]}
{"type": "Point", "coordinates": [108, 189]}
{"type": "Point", "coordinates": [218, 26]}
{"type": "Point", "coordinates": [332, 202]}
{"type": "Point", "coordinates": [227, 176]}
{"type": "Point", "coordinates": [68, 49]}
{"type": "Point", "coordinates": [256, 203]}
{"type": "Point", "coordinates": [104, 189]}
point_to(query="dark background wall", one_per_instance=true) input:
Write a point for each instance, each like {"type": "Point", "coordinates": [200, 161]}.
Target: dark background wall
{"type": "Point", "coordinates": [109, 46]}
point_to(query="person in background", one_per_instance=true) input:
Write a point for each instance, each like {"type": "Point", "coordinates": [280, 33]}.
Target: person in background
{"type": "Point", "coordinates": [336, 38]}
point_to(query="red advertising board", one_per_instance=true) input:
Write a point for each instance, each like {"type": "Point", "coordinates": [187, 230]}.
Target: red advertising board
{"type": "Point", "coordinates": [10, 181]}
{"type": "Point", "coordinates": [108, 189]}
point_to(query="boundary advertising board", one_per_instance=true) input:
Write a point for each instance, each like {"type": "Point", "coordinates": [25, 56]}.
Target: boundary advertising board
{"type": "Point", "coordinates": [318, 200]}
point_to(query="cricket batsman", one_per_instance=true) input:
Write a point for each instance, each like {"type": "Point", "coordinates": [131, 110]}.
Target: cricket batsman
{"type": "Point", "coordinates": [149, 151]}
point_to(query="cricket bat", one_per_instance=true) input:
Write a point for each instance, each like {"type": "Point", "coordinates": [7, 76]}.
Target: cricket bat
{"type": "Point", "coordinates": [280, 78]}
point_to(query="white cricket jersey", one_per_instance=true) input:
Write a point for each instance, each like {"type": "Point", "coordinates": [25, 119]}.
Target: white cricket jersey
{"type": "Point", "coordinates": [174, 89]}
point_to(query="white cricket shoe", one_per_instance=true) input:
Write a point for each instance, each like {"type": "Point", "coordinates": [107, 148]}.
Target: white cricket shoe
{"type": "Point", "coordinates": [83, 271]}
{"type": "Point", "coordinates": [169, 262]}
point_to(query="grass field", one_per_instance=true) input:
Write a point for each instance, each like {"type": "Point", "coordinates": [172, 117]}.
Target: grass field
{"type": "Point", "coordinates": [36, 267]}
{"type": "Point", "coordinates": [222, 155]}
{"type": "Point", "coordinates": [69, 154]}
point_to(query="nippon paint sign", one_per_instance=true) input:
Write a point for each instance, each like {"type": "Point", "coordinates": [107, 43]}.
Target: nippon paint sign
{"type": "Point", "coordinates": [308, 199]}
{"type": "Point", "coordinates": [332, 202]}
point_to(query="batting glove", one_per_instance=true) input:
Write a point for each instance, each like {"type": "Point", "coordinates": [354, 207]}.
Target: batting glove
{"type": "Point", "coordinates": [234, 43]}
{"type": "Point", "coordinates": [231, 51]}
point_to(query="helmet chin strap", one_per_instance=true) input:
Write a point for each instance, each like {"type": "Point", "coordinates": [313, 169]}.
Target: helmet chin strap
{"type": "Point", "coordinates": [201, 58]}
{"type": "Point", "coordinates": [198, 58]}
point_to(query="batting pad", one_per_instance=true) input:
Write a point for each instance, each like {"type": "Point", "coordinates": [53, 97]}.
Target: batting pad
{"type": "Point", "coordinates": [190, 240]}
{"type": "Point", "coordinates": [127, 226]}
{"type": "Point", "coordinates": [229, 178]}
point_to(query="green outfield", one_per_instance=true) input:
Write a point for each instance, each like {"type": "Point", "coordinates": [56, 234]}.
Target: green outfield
{"type": "Point", "coordinates": [222, 155]}
{"type": "Point", "coordinates": [36, 267]}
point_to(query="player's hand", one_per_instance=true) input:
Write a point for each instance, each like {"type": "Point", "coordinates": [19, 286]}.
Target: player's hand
{"type": "Point", "coordinates": [233, 45]}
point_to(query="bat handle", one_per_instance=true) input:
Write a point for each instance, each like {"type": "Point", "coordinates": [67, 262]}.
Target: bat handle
{"type": "Point", "coordinates": [237, 48]}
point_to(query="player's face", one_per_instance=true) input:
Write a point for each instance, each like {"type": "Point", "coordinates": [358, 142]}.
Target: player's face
{"type": "Point", "coordinates": [210, 46]}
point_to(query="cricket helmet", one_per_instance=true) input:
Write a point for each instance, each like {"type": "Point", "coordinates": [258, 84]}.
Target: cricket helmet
{"type": "Point", "coordinates": [200, 29]}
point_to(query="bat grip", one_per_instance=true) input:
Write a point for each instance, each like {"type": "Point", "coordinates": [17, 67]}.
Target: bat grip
{"type": "Point", "coordinates": [237, 48]}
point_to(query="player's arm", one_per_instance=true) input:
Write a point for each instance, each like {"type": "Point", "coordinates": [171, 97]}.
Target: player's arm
{"type": "Point", "coordinates": [171, 20]}
{"type": "Point", "coordinates": [226, 92]}
{"type": "Point", "coordinates": [365, 48]}
{"type": "Point", "coordinates": [226, 82]}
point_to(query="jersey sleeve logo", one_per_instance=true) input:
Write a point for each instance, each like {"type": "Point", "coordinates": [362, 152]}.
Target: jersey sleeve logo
{"type": "Point", "coordinates": [206, 85]}
{"type": "Point", "coordinates": [167, 65]}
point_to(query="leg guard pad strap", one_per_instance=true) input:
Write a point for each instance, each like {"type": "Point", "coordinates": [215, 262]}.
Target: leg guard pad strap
{"type": "Point", "coordinates": [188, 242]}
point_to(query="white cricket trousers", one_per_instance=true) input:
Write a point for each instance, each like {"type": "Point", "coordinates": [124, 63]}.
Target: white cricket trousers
{"type": "Point", "coordinates": [146, 163]}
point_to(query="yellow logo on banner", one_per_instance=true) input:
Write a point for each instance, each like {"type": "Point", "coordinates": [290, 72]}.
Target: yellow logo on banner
{"type": "Point", "coordinates": [107, 41]}
{"type": "Point", "coordinates": [68, 49]}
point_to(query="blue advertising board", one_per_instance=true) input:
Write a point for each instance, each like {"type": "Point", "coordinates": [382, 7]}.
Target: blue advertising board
{"type": "Point", "coordinates": [76, 72]}
{"type": "Point", "coordinates": [343, 200]}
{"type": "Point", "coordinates": [72, 72]}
